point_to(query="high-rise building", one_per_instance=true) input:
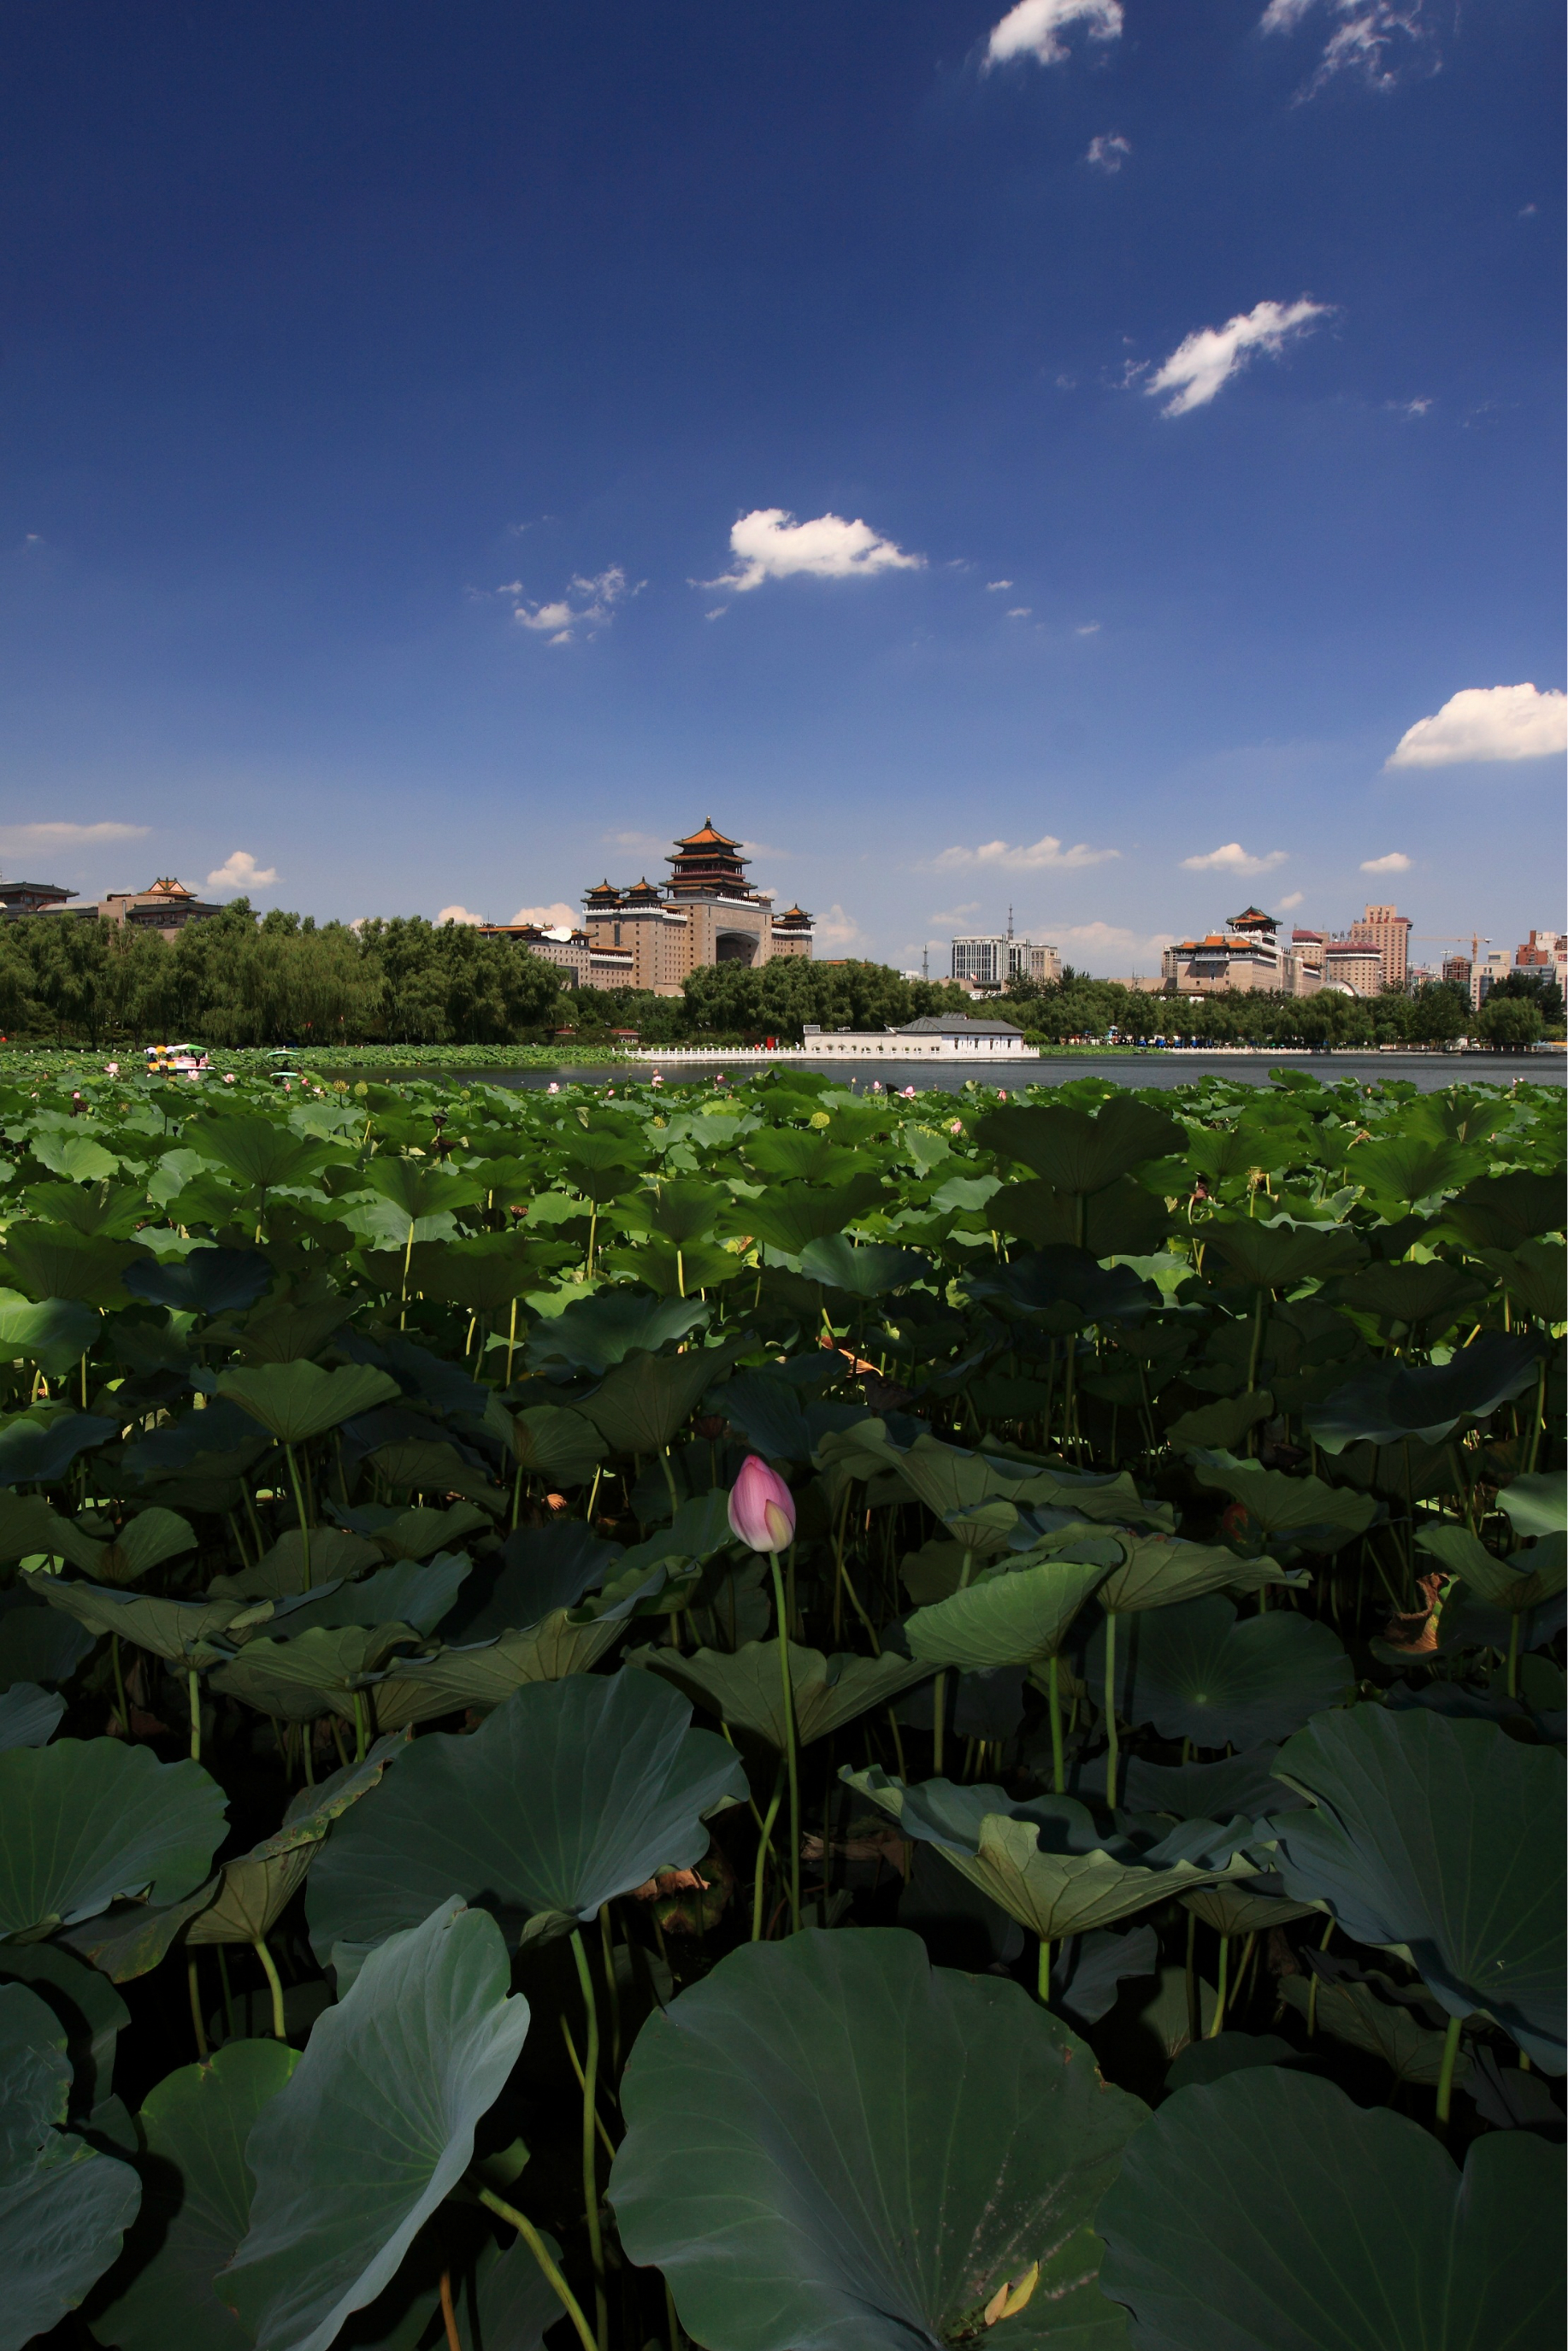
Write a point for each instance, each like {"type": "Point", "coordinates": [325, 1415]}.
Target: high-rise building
{"type": "Point", "coordinates": [1355, 964]}
{"type": "Point", "coordinates": [992, 961]}
{"type": "Point", "coordinates": [1457, 971]}
{"type": "Point", "coordinates": [1387, 930]}
{"type": "Point", "coordinates": [1485, 975]}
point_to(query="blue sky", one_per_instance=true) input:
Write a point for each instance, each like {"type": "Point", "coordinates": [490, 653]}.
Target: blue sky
{"type": "Point", "coordinates": [1050, 456]}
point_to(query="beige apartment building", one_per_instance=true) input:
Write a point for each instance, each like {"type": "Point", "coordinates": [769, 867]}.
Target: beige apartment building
{"type": "Point", "coordinates": [707, 912]}
{"type": "Point", "coordinates": [1387, 930]}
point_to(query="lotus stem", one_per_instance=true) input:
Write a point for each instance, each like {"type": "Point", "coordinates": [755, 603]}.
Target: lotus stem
{"type": "Point", "coordinates": [582, 2084]}
{"type": "Point", "coordinates": [1217, 2026]}
{"type": "Point", "coordinates": [299, 1506]}
{"type": "Point", "coordinates": [791, 1749]}
{"type": "Point", "coordinates": [1446, 2071]}
{"type": "Point", "coordinates": [1113, 1752]}
{"type": "Point", "coordinates": [407, 1259]}
{"type": "Point", "coordinates": [1043, 1978]}
{"type": "Point", "coordinates": [361, 1740]}
{"type": "Point", "coordinates": [939, 1719]}
{"type": "Point", "coordinates": [194, 1694]}
{"type": "Point", "coordinates": [193, 1987]}
{"type": "Point", "coordinates": [120, 1689]}
{"type": "Point", "coordinates": [666, 1465]}
{"type": "Point", "coordinates": [590, 2158]}
{"type": "Point", "coordinates": [511, 1344]}
{"type": "Point", "coordinates": [449, 2316]}
{"type": "Point", "coordinates": [275, 1985]}
{"type": "Point", "coordinates": [607, 1935]}
{"type": "Point", "coordinates": [541, 2254]}
{"type": "Point", "coordinates": [1058, 1761]}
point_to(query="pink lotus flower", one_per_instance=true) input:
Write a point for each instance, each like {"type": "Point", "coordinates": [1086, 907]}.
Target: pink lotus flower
{"type": "Point", "coordinates": [761, 1507]}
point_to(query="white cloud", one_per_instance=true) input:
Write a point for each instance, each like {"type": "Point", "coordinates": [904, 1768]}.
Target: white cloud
{"type": "Point", "coordinates": [1408, 407]}
{"type": "Point", "coordinates": [1288, 906]}
{"type": "Point", "coordinates": [1486, 722]}
{"type": "Point", "coordinates": [1206, 361]}
{"type": "Point", "coordinates": [837, 929]}
{"type": "Point", "coordinates": [1019, 611]}
{"type": "Point", "coordinates": [1394, 863]}
{"type": "Point", "coordinates": [458, 915]}
{"type": "Point", "coordinates": [1034, 28]}
{"type": "Point", "coordinates": [1109, 151]}
{"type": "Point", "coordinates": [241, 871]}
{"type": "Point", "coordinates": [1107, 947]}
{"type": "Point", "coordinates": [951, 917]}
{"type": "Point", "coordinates": [637, 844]}
{"type": "Point", "coordinates": [1360, 42]}
{"type": "Point", "coordinates": [586, 605]}
{"type": "Point", "coordinates": [556, 917]}
{"type": "Point", "coordinates": [994, 587]}
{"type": "Point", "coordinates": [19, 837]}
{"type": "Point", "coordinates": [769, 544]}
{"type": "Point", "coordinates": [1047, 850]}
{"type": "Point", "coordinates": [1087, 629]}
{"type": "Point", "coordinates": [1233, 859]}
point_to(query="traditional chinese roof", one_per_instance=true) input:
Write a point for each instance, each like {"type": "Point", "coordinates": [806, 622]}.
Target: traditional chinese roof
{"type": "Point", "coordinates": [641, 893]}
{"type": "Point", "coordinates": [167, 887]}
{"type": "Point", "coordinates": [604, 893]}
{"type": "Point", "coordinates": [794, 917]}
{"type": "Point", "coordinates": [708, 836]}
{"type": "Point", "coordinates": [1252, 919]}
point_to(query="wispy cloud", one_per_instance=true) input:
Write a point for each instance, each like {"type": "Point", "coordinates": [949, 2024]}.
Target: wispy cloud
{"type": "Point", "coordinates": [1394, 863]}
{"type": "Point", "coordinates": [1019, 611]}
{"type": "Point", "coordinates": [582, 611]}
{"type": "Point", "coordinates": [1108, 947]}
{"type": "Point", "coordinates": [995, 586]}
{"type": "Point", "coordinates": [769, 544]}
{"type": "Point", "coordinates": [1371, 38]}
{"type": "Point", "coordinates": [241, 871]}
{"type": "Point", "coordinates": [19, 837]}
{"type": "Point", "coordinates": [837, 929]}
{"type": "Point", "coordinates": [1046, 851]}
{"type": "Point", "coordinates": [1204, 363]}
{"type": "Point", "coordinates": [1109, 151]}
{"type": "Point", "coordinates": [1087, 629]}
{"type": "Point", "coordinates": [637, 844]}
{"type": "Point", "coordinates": [1486, 722]}
{"type": "Point", "coordinates": [1233, 859]}
{"type": "Point", "coordinates": [1035, 27]}
{"type": "Point", "coordinates": [1288, 906]}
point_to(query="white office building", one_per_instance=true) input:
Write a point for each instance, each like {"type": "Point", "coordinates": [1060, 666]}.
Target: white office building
{"type": "Point", "coordinates": [992, 961]}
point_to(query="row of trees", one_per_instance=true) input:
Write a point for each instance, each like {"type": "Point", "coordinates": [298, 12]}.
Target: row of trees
{"type": "Point", "coordinates": [241, 979]}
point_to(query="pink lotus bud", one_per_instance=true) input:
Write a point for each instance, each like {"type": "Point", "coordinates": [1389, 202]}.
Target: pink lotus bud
{"type": "Point", "coordinates": [761, 1507]}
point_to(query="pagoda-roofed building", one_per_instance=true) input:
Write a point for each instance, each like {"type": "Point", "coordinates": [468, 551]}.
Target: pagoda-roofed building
{"type": "Point", "coordinates": [165, 906]}
{"type": "Point", "coordinates": [707, 912]}
{"type": "Point", "coordinates": [32, 898]}
{"type": "Point", "coordinates": [1253, 923]}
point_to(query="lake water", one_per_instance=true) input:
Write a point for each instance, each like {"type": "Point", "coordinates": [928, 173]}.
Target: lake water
{"type": "Point", "coordinates": [1427, 1071]}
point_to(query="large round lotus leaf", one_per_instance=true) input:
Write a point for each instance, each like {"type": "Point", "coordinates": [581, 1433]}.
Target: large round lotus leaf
{"type": "Point", "coordinates": [63, 2207]}
{"type": "Point", "coordinates": [55, 1333]}
{"type": "Point", "coordinates": [34, 1453]}
{"type": "Point", "coordinates": [551, 1442]}
{"type": "Point", "coordinates": [86, 1820]}
{"type": "Point", "coordinates": [30, 1716]}
{"type": "Point", "coordinates": [298, 1400]}
{"type": "Point", "coordinates": [1010, 1617]}
{"type": "Point", "coordinates": [1277, 1257]}
{"type": "Point", "coordinates": [1239, 1785]}
{"type": "Point", "coordinates": [1399, 1170]}
{"type": "Point", "coordinates": [1304, 1510]}
{"type": "Point", "coordinates": [1031, 1288]}
{"type": "Point", "coordinates": [568, 1794]}
{"type": "Point", "coordinates": [195, 2201]}
{"type": "Point", "coordinates": [1266, 2212]}
{"type": "Point", "coordinates": [1078, 1153]}
{"type": "Point", "coordinates": [803, 1153]}
{"type": "Point", "coordinates": [1502, 1211]}
{"type": "Point", "coordinates": [1537, 1504]}
{"type": "Point", "coordinates": [1446, 1837]}
{"type": "Point", "coordinates": [596, 1332]}
{"type": "Point", "coordinates": [790, 1216]}
{"type": "Point", "coordinates": [747, 1689]}
{"type": "Point", "coordinates": [320, 1673]}
{"type": "Point", "coordinates": [1434, 1295]}
{"type": "Point", "coordinates": [375, 2127]}
{"type": "Point", "coordinates": [1199, 1672]}
{"type": "Point", "coordinates": [208, 1281]}
{"type": "Point", "coordinates": [51, 1261]}
{"type": "Point", "coordinates": [1388, 1401]}
{"type": "Point", "coordinates": [644, 1401]}
{"type": "Point", "coordinates": [872, 1270]}
{"type": "Point", "coordinates": [485, 1673]}
{"type": "Point", "coordinates": [410, 1592]}
{"type": "Point", "coordinates": [1123, 1220]}
{"type": "Point", "coordinates": [536, 1570]}
{"type": "Point", "coordinates": [685, 1209]}
{"type": "Point", "coordinates": [1160, 1570]}
{"type": "Point", "coordinates": [258, 1150]}
{"type": "Point", "coordinates": [830, 2143]}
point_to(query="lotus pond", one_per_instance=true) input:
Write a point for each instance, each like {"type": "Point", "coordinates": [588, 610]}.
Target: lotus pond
{"type": "Point", "coordinates": [767, 1721]}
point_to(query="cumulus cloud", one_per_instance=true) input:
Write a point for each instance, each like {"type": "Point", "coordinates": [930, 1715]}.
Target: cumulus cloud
{"type": "Point", "coordinates": [769, 544]}
{"type": "Point", "coordinates": [241, 871]}
{"type": "Point", "coordinates": [1109, 151]}
{"type": "Point", "coordinates": [837, 929]}
{"type": "Point", "coordinates": [1394, 863]}
{"type": "Point", "coordinates": [18, 837]}
{"type": "Point", "coordinates": [1205, 362]}
{"type": "Point", "coordinates": [1034, 28]}
{"type": "Point", "coordinates": [1087, 629]}
{"type": "Point", "coordinates": [1233, 859]}
{"type": "Point", "coordinates": [1288, 906]}
{"type": "Point", "coordinates": [1371, 38]}
{"type": "Point", "coordinates": [995, 586]}
{"type": "Point", "coordinates": [1486, 722]}
{"type": "Point", "coordinates": [585, 607]}
{"type": "Point", "coordinates": [1047, 850]}
{"type": "Point", "coordinates": [1019, 611]}
{"type": "Point", "coordinates": [559, 917]}
{"type": "Point", "coordinates": [459, 915]}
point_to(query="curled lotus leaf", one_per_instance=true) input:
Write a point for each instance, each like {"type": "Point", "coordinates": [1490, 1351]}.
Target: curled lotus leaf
{"type": "Point", "coordinates": [1355, 2013]}
{"type": "Point", "coordinates": [37, 1453]}
{"type": "Point", "coordinates": [30, 1716]}
{"type": "Point", "coordinates": [180, 1630]}
{"type": "Point", "coordinates": [829, 2141]}
{"type": "Point", "coordinates": [484, 1674]}
{"type": "Point", "coordinates": [1279, 1256]}
{"type": "Point", "coordinates": [54, 1332]}
{"type": "Point", "coordinates": [208, 1281]}
{"type": "Point", "coordinates": [1388, 1401]}
{"type": "Point", "coordinates": [1265, 2213]}
{"type": "Point", "coordinates": [85, 1821]}
{"type": "Point", "coordinates": [1159, 1571]}
{"type": "Point", "coordinates": [1303, 1510]}
{"type": "Point", "coordinates": [1518, 1582]}
{"type": "Point", "coordinates": [1010, 1615]}
{"type": "Point", "coordinates": [321, 1672]}
{"type": "Point", "coordinates": [297, 1400]}
{"type": "Point", "coordinates": [745, 1689]}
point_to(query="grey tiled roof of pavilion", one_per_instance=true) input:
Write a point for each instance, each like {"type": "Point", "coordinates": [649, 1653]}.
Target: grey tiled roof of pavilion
{"type": "Point", "coordinates": [957, 1024]}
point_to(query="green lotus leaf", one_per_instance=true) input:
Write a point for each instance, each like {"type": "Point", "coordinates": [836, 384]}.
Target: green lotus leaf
{"type": "Point", "coordinates": [86, 1820]}
{"type": "Point", "coordinates": [79, 1157]}
{"type": "Point", "coordinates": [484, 1272]}
{"type": "Point", "coordinates": [1266, 2212]}
{"type": "Point", "coordinates": [1279, 1256]}
{"type": "Point", "coordinates": [644, 1400]}
{"type": "Point", "coordinates": [297, 1400]}
{"type": "Point", "coordinates": [1516, 1583]}
{"type": "Point", "coordinates": [1228, 2052]}
{"type": "Point", "coordinates": [208, 1281]}
{"type": "Point", "coordinates": [417, 1188]}
{"type": "Point", "coordinates": [259, 1151]}
{"type": "Point", "coordinates": [279, 1573]}
{"type": "Point", "coordinates": [38, 1452]}
{"type": "Point", "coordinates": [195, 2201]}
{"type": "Point", "coordinates": [180, 1630]}
{"type": "Point", "coordinates": [829, 2141]}
{"type": "Point", "coordinates": [1537, 1504]}
{"type": "Point", "coordinates": [53, 1262]}
{"type": "Point", "coordinates": [130, 1940]}
{"type": "Point", "coordinates": [321, 1672]}
{"type": "Point", "coordinates": [1077, 1153]}
{"type": "Point", "coordinates": [568, 1794]}
{"type": "Point", "coordinates": [595, 1333]}
{"type": "Point", "coordinates": [1401, 1170]}
{"type": "Point", "coordinates": [1432, 1296]}
{"type": "Point", "coordinates": [419, 1464]}
{"type": "Point", "coordinates": [1239, 1784]}
{"type": "Point", "coordinates": [409, 1592]}
{"type": "Point", "coordinates": [89, 2010]}
{"type": "Point", "coordinates": [1535, 1276]}
{"type": "Point", "coordinates": [55, 1334]}
{"type": "Point", "coordinates": [1052, 1892]}
{"type": "Point", "coordinates": [1238, 1907]}
{"type": "Point", "coordinates": [1355, 2013]}
{"type": "Point", "coordinates": [484, 1674]}
{"type": "Point", "coordinates": [415, 1533]}
{"type": "Point", "coordinates": [63, 2207]}
{"type": "Point", "coordinates": [1444, 1839]}
{"type": "Point", "coordinates": [1223, 1423]}
{"type": "Point", "coordinates": [1009, 1617]}
{"type": "Point", "coordinates": [1197, 1671]}
{"type": "Point", "coordinates": [1502, 1211]}
{"type": "Point", "coordinates": [256, 1888]}
{"type": "Point", "coordinates": [746, 1689]}
{"type": "Point", "coordinates": [803, 1154]}
{"type": "Point", "coordinates": [1391, 1400]}
{"type": "Point", "coordinates": [1062, 1287]}
{"type": "Point", "coordinates": [673, 1272]}
{"type": "Point", "coordinates": [873, 1270]}
{"type": "Point", "coordinates": [36, 1643]}
{"type": "Point", "coordinates": [373, 2129]}
{"type": "Point", "coordinates": [1123, 1220]}
{"type": "Point", "coordinates": [550, 1441]}
{"type": "Point", "coordinates": [30, 1716]}
{"type": "Point", "coordinates": [288, 1330]}
{"type": "Point", "coordinates": [1303, 1510]}
{"type": "Point", "coordinates": [1158, 1570]}
{"type": "Point", "coordinates": [683, 1209]}
{"type": "Point", "coordinates": [144, 1542]}
{"type": "Point", "coordinates": [790, 1216]}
